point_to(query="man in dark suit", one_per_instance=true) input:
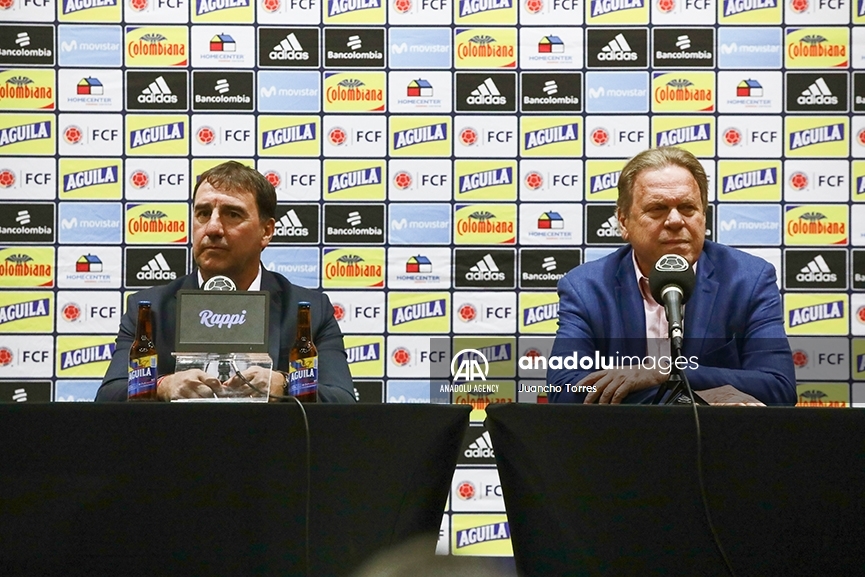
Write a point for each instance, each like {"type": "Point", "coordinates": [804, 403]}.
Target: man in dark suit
{"type": "Point", "coordinates": [733, 323]}
{"type": "Point", "coordinates": [233, 220]}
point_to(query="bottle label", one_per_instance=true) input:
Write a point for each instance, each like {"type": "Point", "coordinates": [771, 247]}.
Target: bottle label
{"type": "Point", "coordinates": [142, 376]}
{"type": "Point", "coordinates": [303, 376]}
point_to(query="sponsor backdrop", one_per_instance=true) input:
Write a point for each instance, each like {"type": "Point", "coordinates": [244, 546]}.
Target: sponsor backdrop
{"type": "Point", "coordinates": [439, 165]}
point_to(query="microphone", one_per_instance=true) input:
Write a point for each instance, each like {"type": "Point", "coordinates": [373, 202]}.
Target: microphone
{"type": "Point", "coordinates": [672, 281]}
{"type": "Point", "coordinates": [220, 283]}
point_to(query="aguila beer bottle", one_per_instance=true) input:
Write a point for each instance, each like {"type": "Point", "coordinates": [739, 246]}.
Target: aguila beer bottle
{"type": "Point", "coordinates": [142, 359]}
{"type": "Point", "coordinates": [303, 360]}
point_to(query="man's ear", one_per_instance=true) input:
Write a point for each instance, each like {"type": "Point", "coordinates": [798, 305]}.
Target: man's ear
{"type": "Point", "coordinates": [620, 216]}
{"type": "Point", "coordinates": [268, 226]}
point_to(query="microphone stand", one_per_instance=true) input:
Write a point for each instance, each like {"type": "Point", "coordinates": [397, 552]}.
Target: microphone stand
{"type": "Point", "coordinates": [677, 383]}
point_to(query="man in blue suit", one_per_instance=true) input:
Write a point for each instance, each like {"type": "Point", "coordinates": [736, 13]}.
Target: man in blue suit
{"type": "Point", "coordinates": [734, 330]}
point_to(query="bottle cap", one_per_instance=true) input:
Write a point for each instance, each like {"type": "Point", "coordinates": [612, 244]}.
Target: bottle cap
{"type": "Point", "coordinates": [143, 303]}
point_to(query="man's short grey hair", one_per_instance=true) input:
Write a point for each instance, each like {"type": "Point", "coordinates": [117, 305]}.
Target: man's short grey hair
{"type": "Point", "coordinates": [656, 159]}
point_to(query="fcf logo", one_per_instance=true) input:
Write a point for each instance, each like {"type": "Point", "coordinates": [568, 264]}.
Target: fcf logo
{"type": "Point", "coordinates": [469, 365]}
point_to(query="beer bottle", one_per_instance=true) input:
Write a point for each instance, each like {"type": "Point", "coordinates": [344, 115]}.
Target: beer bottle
{"type": "Point", "coordinates": [303, 360]}
{"type": "Point", "coordinates": [142, 359]}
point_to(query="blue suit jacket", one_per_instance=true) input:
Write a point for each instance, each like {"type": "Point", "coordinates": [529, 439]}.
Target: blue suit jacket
{"type": "Point", "coordinates": [733, 324]}
{"type": "Point", "coordinates": [335, 384]}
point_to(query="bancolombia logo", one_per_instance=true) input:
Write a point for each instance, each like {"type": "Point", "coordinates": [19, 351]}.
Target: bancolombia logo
{"type": "Point", "coordinates": [27, 223]}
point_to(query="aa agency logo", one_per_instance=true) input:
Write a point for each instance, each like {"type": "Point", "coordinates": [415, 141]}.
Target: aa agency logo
{"type": "Point", "coordinates": [694, 134]}
{"type": "Point", "coordinates": [89, 267]}
{"type": "Point", "coordinates": [288, 47]}
{"type": "Point", "coordinates": [354, 11]}
{"type": "Point", "coordinates": [551, 92]}
{"type": "Point", "coordinates": [411, 180]}
{"type": "Point", "coordinates": [683, 92]}
{"type": "Point", "coordinates": [826, 136]}
{"type": "Point", "coordinates": [90, 223]}
{"type": "Point", "coordinates": [414, 269]}
{"type": "Point", "coordinates": [485, 47]}
{"type": "Point", "coordinates": [487, 268]}
{"type": "Point", "coordinates": [354, 180]}
{"type": "Point", "coordinates": [817, 47]}
{"type": "Point", "coordinates": [486, 92]}
{"type": "Point", "coordinates": [91, 178]}
{"type": "Point", "coordinates": [749, 11]}
{"type": "Point", "coordinates": [617, 48]}
{"type": "Point", "coordinates": [84, 356]}
{"type": "Point", "coordinates": [26, 312]}
{"type": "Point", "coordinates": [683, 12]}
{"type": "Point", "coordinates": [27, 134]}
{"type": "Point", "coordinates": [420, 224]}
{"type": "Point", "coordinates": [418, 313]}
{"type": "Point", "coordinates": [545, 48]}
{"type": "Point", "coordinates": [420, 92]}
{"type": "Point", "coordinates": [353, 268]}
{"type": "Point", "coordinates": [616, 136]}
{"type": "Point", "coordinates": [27, 45]}
{"type": "Point", "coordinates": [420, 48]}
{"type": "Point", "coordinates": [485, 180]}
{"type": "Point", "coordinates": [27, 266]}
{"type": "Point", "coordinates": [296, 224]}
{"type": "Point", "coordinates": [154, 266]}
{"type": "Point", "coordinates": [289, 135]}
{"type": "Point", "coordinates": [145, 11]}
{"type": "Point", "coordinates": [539, 313]}
{"type": "Point", "coordinates": [22, 89]}
{"type": "Point", "coordinates": [406, 12]}
{"type": "Point", "coordinates": [365, 356]}
{"type": "Point", "coordinates": [683, 47]}
{"type": "Point", "coordinates": [213, 91]}
{"type": "Point", "coordinates": [354, 47]}
{"type": "Point", "coordinates": [474, 12]}
{"type": "Point", "coordinates": [354, 91]}
{"type": "Point", "coordinates": [157, 46]}
{"type": "Point", "coordinates": [156, 223]}
{"type": "Point", "coordinates": [550, 224]}
{"type": "Point", "coordinates": [28, 178]}
{"type": "Point", "coordinates": [805, 12]}
{"type": "Point", "coordinates": [281, 91]}
{"type": "Point", "coordinates": [554, 137]}
{"type": "Point", "coordinates": [542, 268]}
{"type": "Point", "coordinates": [419, 136]}
{"type": "Point", "coordinates": [226, 11]}
{"type": "Point", "coordinates": [27, 223]}
{"type": "Point", "coordinates": [816, 314]}
{"type": "Point", "coordinates": [750, 48]}
{"type": "Point", "coordinates": [485, 224]}
{"type": "Point", "coordinates": [602, 180]}
{"type": "Point", "coordinates": [815, 269]}
{"type": "Point", "coordinates": [154, 90]}
{"type": "Point", "coordinates": [354, 224]}
{"type": "Point", "coordinates": [88, 10]}
{"type": "Point", "coordinates": [157, 135]}
{"type": "Point", "coordinates": [617, 12]}
{"type": "Point", "coordinates": [816, 224]}
{"type": "Point", "coordinates": [817, 92]}
{"type": "Point", "coordinates": [752, 92]}
{"type": "Point", "coordinates": [749, 180]}
{"type": "Point", "coordinates": [90, 90]}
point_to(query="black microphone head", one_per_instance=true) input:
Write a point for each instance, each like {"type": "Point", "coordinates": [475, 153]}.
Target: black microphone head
{"type": "Point", "coordinates": [672, 269]}
{"type": "Point", "coordinates": [220, 283]}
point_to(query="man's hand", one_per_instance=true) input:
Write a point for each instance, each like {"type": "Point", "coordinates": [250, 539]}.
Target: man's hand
{"type": "Point", "coordinates": [261, 381]}
{"type": "Point", "coordinates": [191, 384]}
{"type": "Point", "coordinates": [729, 395]}
{"type": "Point", "coordinates": [613, 385]}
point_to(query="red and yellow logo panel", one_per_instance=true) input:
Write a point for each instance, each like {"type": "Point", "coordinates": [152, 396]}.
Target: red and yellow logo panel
{"type": "Point", "coordinates": [157, 46]}
{"type": "Point", "coordinates": [365, 355]}
{"type": "Point", "coordinates": [27, 89]}
{"type": "Point", "coordinates": [26, 266]}
{"type": "Point", "coordinates": [485, 224]}
{"type": "Point", "coordinates": [157, 223]}
{"type": "Point", "coordinates": [353, 268]}
{"type": "Point", "coordinates": [485, 48]}
{"type": "Point", "coordinates": [816, 224]}
{"type": "Point", "coordinates": [354, 91]}
{"type": "Point", "coordinates": [683, 92]}
{"type": "Point", "coordinates": [828, 395]}
{"type": "Point", "coordinates": [825, 47]}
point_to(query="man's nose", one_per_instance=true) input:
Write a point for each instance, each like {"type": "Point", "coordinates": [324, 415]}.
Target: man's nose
{"type": "Point", "coordinates": [213, 226]}
{"type": "Point", "coordinates": [675, 219]}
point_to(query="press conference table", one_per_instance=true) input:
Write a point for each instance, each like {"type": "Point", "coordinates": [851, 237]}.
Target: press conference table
{"type": "Point", "coordinates": [613, 490]}
{"type": "Point", "coordinates": [218, 489]}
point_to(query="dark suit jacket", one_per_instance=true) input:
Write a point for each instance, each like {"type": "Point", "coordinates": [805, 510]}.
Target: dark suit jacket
{"type": "Point", "coordinates": [335, 384]}
{"type": "Point", "coordinates": [733, 324]}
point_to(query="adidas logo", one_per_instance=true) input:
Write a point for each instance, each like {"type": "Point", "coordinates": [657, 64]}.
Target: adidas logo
{"type": "Point", "coordinates": [609, 228]}
{"type": "Point", "coordinates": [481, 448]}
{"type": "Point", "coordinates": [485, 269]}
{"type": "Point", "coordinates": [817, 93]}
{"type": "Point", "coordinates": [157, 93]}
{"type": "Point", "coordinates": [617, 49]}
{"type": "Point", "coordinates": [487, 93]}
{"type": "Point", "coordinates": [289, 49]}
{"type": "Point", "coordinates": [156, 269]}
{"type": "Point", "coordinates": [290, 225]}
{"type": "Point", "coordinates": [816, 271]}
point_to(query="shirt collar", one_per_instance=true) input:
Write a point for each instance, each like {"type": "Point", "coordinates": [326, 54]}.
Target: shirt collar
{"type": "Point", "coordinates": [255, 286]}
{"type": "Point", "coordinates": [643, 281]}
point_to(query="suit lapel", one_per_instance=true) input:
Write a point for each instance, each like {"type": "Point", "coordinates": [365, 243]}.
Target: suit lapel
{"type": "Point", "coordinates": [269, 284]}
{"type": "Point", "coordinates": [629, 303]}
{"type": "Point", "coordinates": [698, 310]}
